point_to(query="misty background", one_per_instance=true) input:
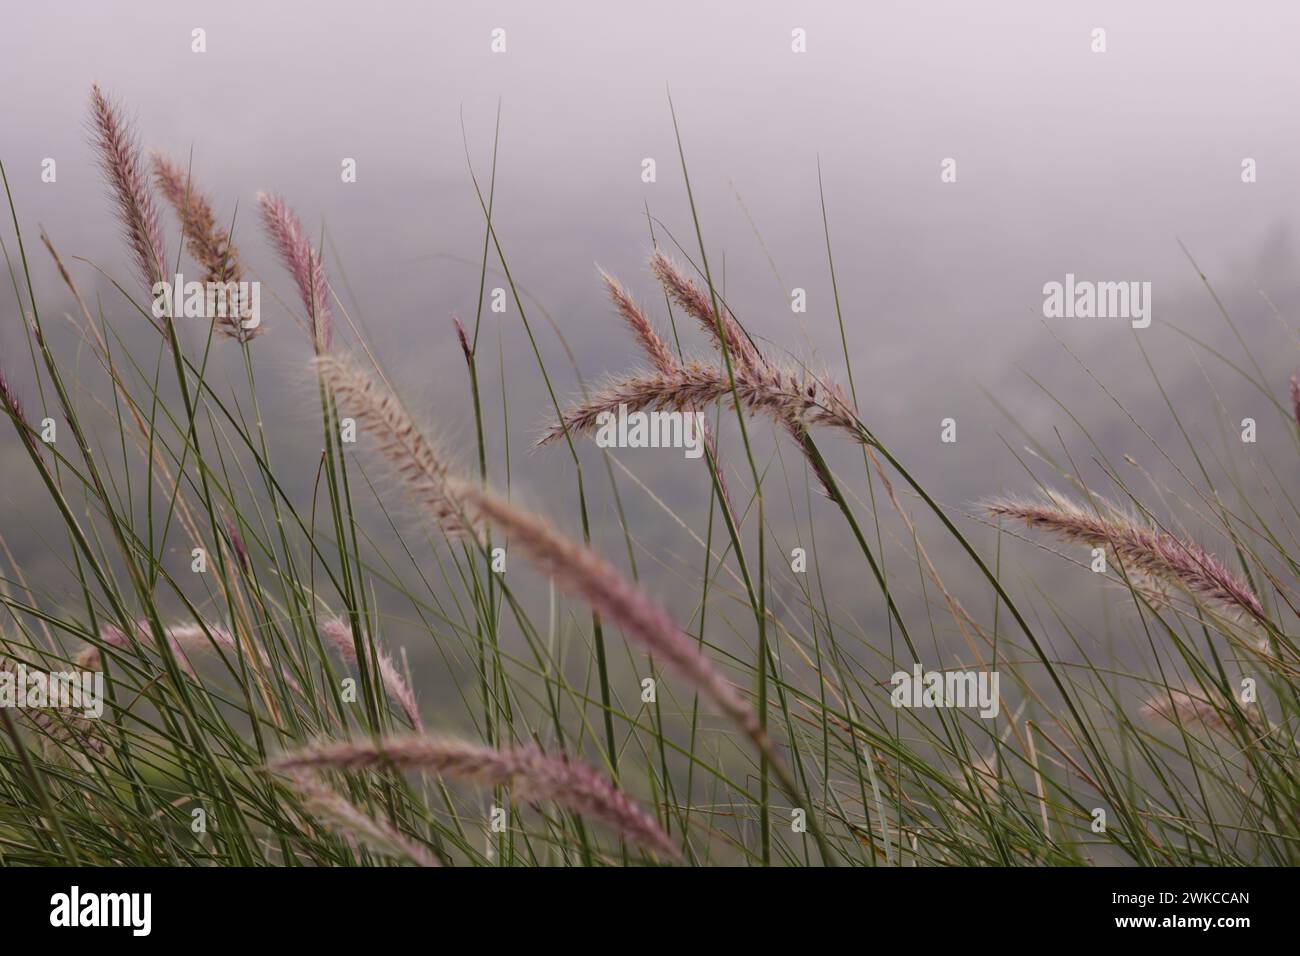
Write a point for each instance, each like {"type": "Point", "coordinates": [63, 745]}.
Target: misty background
{"type": "Point", "coordinates": [1068, 161]}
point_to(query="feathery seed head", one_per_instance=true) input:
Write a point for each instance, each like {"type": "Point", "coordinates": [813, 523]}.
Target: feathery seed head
{"type": "Point", "coordinates": [339, 633]}
{"type": "Point", "coordinates": [357, 826]}
{"type": "Point", "coordinates": [578, 570]}
{"type": "Point", "coordinates": [779, 394]}
{"type": "Point", "coordinates": [119, 157]}
{"type": "Point", "coordinates": [724, 331]}
{"type": "Point", "coordinates": [1140, 547]}
{"type": "Point", "coordinates": [655, 348]}
{"type": "Point", "coordinates": [421, 466]}
{"type": "Point", "coordinates": [464, 340]}
{"type": "Point", "coordinates": [540, 776]}
{"type": "Point", "coordinates": [209, 243]}
{"type": "Point", "coordinates": [304, 264]}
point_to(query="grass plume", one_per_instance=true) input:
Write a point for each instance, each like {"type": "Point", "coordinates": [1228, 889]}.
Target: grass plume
{"type": "Point", "coordinates": [119, 158]}
{"type": "Point", "coordinates": [339, 633]}
{"type": "Point", "coordinates": [303, 263]}
{"type": "Point", "coordinates": [536, 775]}
{"type": "Point", "coordinates": [208, 242]}
{"type": "Point", "coordinates": [1155, 553]}
{"type": "Point", "coordinates": [422, 466]}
